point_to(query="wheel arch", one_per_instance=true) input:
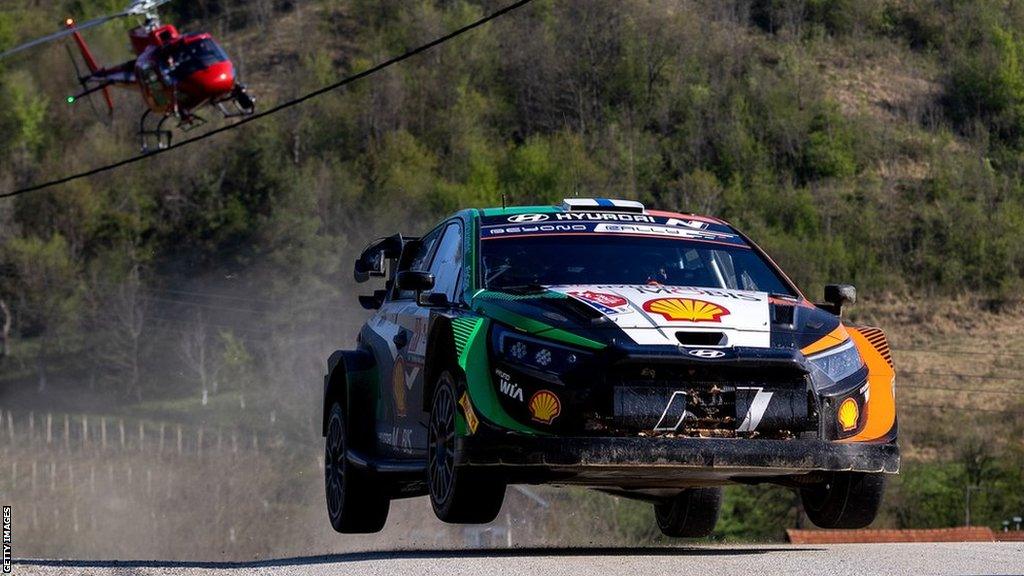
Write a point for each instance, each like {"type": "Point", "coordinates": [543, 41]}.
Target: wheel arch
{"type": "Point", "coordinates": [440, 355]}
{"type": "Point", "coordinates": [342, 369]}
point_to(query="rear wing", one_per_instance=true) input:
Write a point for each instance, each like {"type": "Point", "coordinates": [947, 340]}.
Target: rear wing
{"type": "Point", "coordinates": [373, 262]}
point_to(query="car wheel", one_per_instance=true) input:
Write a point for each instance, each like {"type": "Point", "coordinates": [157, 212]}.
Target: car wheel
{"type": "Point", "coordinates": [354, 504]}
{"type": "Point", "coordinates": [458, 495]}
{"type": "Point", "coordinates": [844, 500]}
{"type": "Point", "coordinates": [692, 513]}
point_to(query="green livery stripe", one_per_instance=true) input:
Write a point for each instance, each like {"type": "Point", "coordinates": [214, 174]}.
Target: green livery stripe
{"type": "Point", "coordinates": [532, 326]}
{"type": "Point", "coordinates": [463, 329]}
{"type": "Point", "coordinates": [521, 210]}
{"type": "Point", "coordinates": [496, 295]}
{"type": "Point", "coordinates": [475, 364]}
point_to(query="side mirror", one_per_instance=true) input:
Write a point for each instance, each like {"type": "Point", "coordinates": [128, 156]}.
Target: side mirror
{"type": "Point", "coordinates": [433, 300]}
{"type": "Point", "coordinates": [839, 295]}
{"type": "Point", "coordinates": [415, 280]}
{"type": "Point", "coordinates": [375, 301]}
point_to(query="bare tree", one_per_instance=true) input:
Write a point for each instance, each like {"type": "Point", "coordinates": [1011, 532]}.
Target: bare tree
{"type": "Point", "coordinates": [198, 353]}
{"type": "Point", "coordinates": [5, 328]}
{"type": "Point", "coordinates": [122, 314]}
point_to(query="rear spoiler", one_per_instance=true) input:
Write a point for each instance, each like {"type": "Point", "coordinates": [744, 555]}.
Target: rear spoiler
{"type": "Point", "coordinates": [372, 262]}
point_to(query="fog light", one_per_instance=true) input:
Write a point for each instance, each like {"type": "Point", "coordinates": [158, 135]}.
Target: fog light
{"type": "Point", "coordinates": [848, 414]}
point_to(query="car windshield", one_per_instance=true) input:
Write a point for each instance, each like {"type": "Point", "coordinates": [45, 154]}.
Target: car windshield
{"type": "Point", "coordinates": [564, 259]}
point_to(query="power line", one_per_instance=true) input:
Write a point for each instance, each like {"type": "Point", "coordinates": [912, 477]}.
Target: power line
{"type": "Point", "coordinates": [955, 389]}
{"type": "Point", "coordinates": [960, 375]}
{"type": "Point", "coordinates": [960, 408]}
{"type": "Point", "coordinates": [290, 103]}
{"type": "Point", "coordinates": [959, 351]}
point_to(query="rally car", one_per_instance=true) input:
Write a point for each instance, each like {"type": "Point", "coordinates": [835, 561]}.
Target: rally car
{"type": "Point", "coordinates": [648, 354]}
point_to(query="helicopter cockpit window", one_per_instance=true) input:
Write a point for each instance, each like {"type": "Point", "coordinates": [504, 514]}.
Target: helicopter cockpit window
{"type": "Point", "coordinates": [187, 59]}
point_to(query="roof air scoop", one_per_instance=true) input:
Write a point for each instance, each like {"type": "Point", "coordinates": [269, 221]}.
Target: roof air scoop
{"type": "Point", "coordinates": [602, 205]}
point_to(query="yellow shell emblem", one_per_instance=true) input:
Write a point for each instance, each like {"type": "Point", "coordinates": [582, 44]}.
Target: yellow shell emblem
{"type": "Point", "coordinates": [686, 309]}
{"type": "Point", "coordinates": [848, 415]}
{"type": "Point", "coordinates": [545, 407]}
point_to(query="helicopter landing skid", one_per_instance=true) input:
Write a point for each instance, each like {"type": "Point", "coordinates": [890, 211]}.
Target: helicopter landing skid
{"type": "Point", "coordinates": [161, 136]}
{"type": "Point", "coordinates": [191, 122]}
{"type": "Point", "coordinates": [241, 103]}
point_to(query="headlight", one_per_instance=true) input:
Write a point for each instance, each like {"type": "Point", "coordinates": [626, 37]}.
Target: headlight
{"type": "Point", "coordinates": [543, 355]}
{"type": "Point", "coordinates": [839, 362]}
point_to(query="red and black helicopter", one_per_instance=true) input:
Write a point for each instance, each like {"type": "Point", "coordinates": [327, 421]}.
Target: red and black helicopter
{"type": "Point", "coordinates": [176, 73]}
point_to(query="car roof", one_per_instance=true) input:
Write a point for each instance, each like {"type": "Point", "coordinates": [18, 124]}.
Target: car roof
{"type": "Point", "coordinates": [599, 205]}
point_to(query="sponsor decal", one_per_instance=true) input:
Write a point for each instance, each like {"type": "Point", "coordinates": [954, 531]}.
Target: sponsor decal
{"type": "Point", "coordinates": [686, 309]}
{"type": "Point", "coordinates": [674, 413]}
{"type": "Point", "coordinates": [662, 289]}
{"type": "Point", "coordinates": [758, 406]}
{"type": "Point", "coordinates": [599, 216]}
{"type": "Point", "coordinates": [545, 406]}
{"type": "Point", "coordinates": [521, 218]}
{"type": "Point", "coordinates": [695, 224]}
{"type": "Point", "coordinates": [398, 385]}
{"type": "Point", "coordinates": [467, 408]}
{"type": "Point", "coordinates": [508, 387]}
{"type": "Point", "coordinates": [659, 230]}
{"type": "Point", "coordinates": [848, 415]}
{"type": "Point", "coordinates": [706, 353]}
{"type": "Point", "coordinates": [400, 438]}
{"type": "Point", "coordinates": [544, 228]}
{"type": "Point", "coordinates": [603, 302]}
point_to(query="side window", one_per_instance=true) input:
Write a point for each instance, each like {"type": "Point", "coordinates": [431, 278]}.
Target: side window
{"type": "Point", "coordinates": [418, 260]}
{"type": "Point", "coordinates": [447, 264]}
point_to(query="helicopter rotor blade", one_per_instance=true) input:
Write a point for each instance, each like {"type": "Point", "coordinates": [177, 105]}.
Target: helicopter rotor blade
{"type": "Point", "coordinates": [66, 32]}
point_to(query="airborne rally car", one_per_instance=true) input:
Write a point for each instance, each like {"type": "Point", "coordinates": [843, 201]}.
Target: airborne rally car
{"type": "Point", "coordinates": [647, 354]}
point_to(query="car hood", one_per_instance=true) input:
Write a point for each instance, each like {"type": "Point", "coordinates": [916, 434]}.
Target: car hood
{"type": "Point", "coordinates": [642, 314]}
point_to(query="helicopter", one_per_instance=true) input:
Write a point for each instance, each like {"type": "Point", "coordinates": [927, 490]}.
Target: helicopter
{"type": "Point", "coordinates": [176, 73]}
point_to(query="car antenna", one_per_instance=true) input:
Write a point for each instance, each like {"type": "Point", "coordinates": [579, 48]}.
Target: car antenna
{"type": "Point", "coordinates": [503, 200]}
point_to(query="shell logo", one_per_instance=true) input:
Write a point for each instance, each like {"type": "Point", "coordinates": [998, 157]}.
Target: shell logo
{"type": "Point", "coordinates": [544, 406]}
{"type": "Point", "coordinates": [686, 309]}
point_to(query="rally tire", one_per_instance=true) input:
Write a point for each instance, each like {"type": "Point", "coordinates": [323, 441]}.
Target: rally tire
{"type": "Point", "coordinates": [355, 505]}
{"type": "Point", "coordinates": [692, 513]}
{"type": "Point", "coordinates": [845, 500]}
{"type": "Point", "coordinates": [458, 495]}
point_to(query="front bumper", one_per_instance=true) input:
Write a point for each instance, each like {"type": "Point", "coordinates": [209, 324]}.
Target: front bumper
{"type": "Point", "coordinates": [655, 462]}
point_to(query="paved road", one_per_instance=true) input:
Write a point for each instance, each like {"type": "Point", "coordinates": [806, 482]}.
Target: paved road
{"type": "Point", "coordinates": [841, 560]}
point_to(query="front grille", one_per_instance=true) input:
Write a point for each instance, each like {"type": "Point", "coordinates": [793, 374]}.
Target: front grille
{"type": "Point", "coordinates": [699, 400]}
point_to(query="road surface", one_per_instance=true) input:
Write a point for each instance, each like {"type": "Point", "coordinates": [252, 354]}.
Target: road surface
{"type": "Point", "coordinates": [841, 560]}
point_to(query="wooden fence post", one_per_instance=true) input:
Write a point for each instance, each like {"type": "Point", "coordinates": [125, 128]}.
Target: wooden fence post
{"type": "Point", "coordinates": [162, 425]}
{"type": "Point", "coordinates": [31, 425]}
{"type": "Point", "coordinates": [103, 433]}
{"type": "Point", "coordinates": [85, 431]}
{"type": "Point", "coordinates": [10, 425]}
{"type": "Point", "coordinates": [120, 428]}
{"type": "Point", "coordinates": [179, 439]}
{"type": "Point", "coordinates": [53, 476]}
{"type": "Point", "coordinates": [67, 432]}
{"type": "Point", "coordinates": [49, 428]}
{"type": "Point", "coordinates": [199, 442]}
{"type": "Point", "coordinates": [142, 437]}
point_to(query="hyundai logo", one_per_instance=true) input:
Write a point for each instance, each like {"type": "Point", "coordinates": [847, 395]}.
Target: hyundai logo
{"type": "Point", "coordinates": [521, 218]}
{"type": "Point", "coordinates": [705, 353]}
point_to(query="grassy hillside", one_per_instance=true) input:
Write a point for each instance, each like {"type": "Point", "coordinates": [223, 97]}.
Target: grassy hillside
{"type": "Point", "coordinates": [877, 142]}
